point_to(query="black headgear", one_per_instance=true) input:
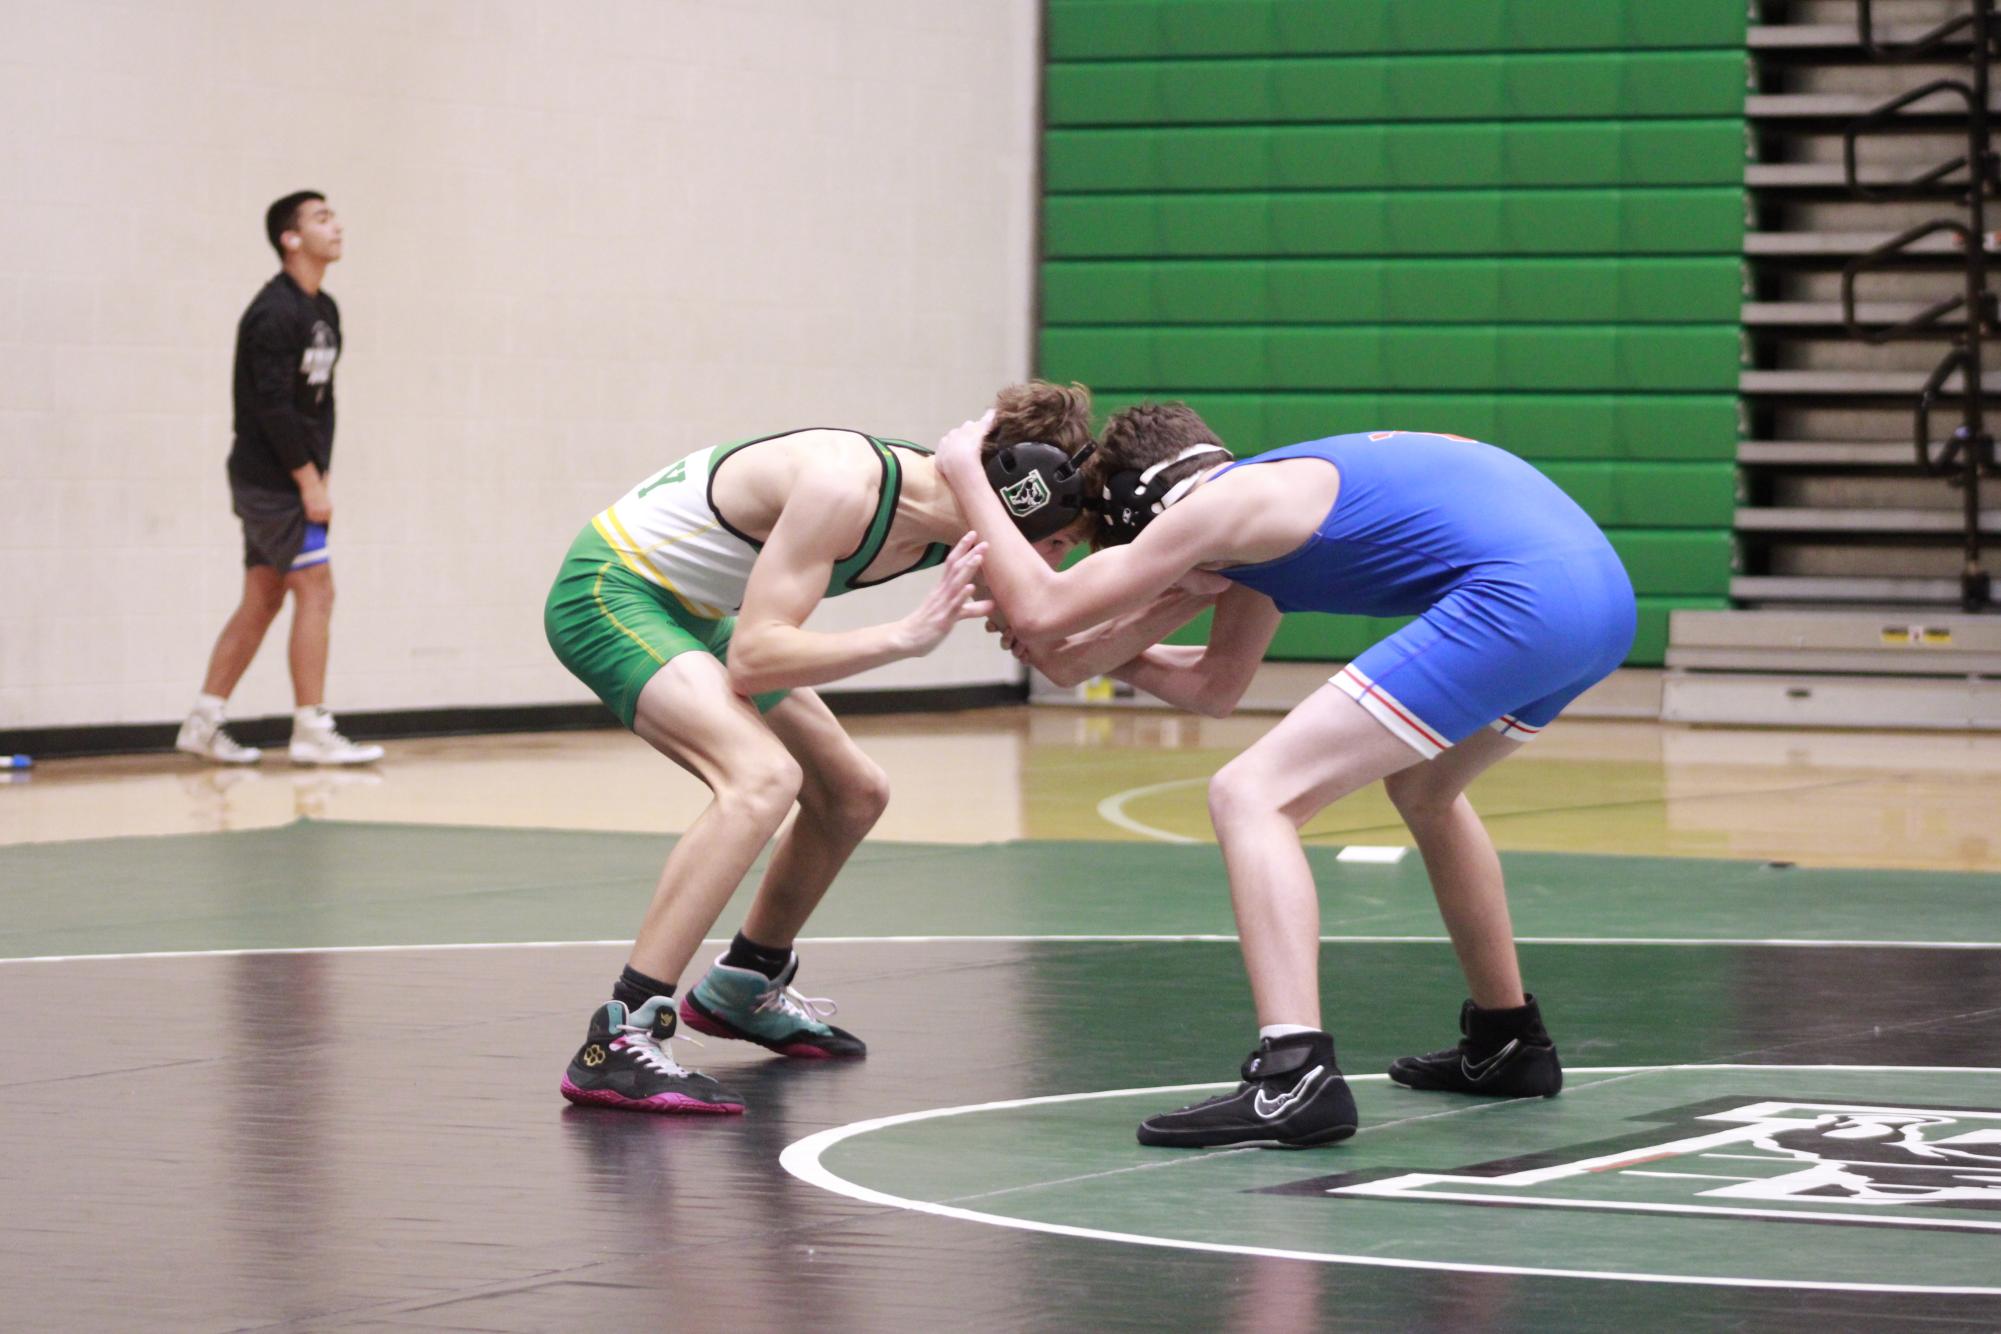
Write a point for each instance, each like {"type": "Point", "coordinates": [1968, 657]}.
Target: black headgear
{"type": "Point", "coordinates": [1041, 486]}
{"type": "Point", "coordinates": [1132, 500]}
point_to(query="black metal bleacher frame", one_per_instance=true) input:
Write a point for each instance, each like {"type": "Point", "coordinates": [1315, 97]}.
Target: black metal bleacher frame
{"type": "Point", "coordinates": [1968, 453]}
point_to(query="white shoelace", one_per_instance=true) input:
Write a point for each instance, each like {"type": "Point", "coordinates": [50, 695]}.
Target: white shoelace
{"type": "Point", "coordinates": [785, 1000]}
{"type": "Point", "coordinates": [638, 1039]}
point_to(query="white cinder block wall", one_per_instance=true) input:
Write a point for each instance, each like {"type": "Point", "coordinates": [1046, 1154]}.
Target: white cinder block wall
{"type": "Point", "coordinates": [582, 240]}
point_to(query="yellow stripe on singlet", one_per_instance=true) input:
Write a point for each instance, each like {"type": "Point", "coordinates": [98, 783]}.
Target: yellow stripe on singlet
{"type": "Point", "coordinates": [630, 552]}
{"type": "Point", "coordinates": [597, 594]}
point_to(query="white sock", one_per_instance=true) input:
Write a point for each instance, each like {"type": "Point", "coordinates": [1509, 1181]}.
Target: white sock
{"type": "Point", "coordinates": [309, 716]}
{"type": "Point", "coordinates": [209, 706]}
{"type": "Point", "coordinates": [1283, 1030]}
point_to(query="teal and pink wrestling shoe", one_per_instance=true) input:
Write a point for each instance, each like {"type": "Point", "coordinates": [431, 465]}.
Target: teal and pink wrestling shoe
{"type": "Point", "coordinates": [623, 1064]}
{"type": "Point", "coordinates": [744, 1003]}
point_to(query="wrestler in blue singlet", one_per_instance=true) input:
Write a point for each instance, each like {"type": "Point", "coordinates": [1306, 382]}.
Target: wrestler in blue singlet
{"type": "Point", "coordinates": [1521, 602]}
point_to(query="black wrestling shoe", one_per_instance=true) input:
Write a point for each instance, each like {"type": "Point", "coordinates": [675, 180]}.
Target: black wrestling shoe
{"type": "Point", "coordinates": [1502, 1054]}
{"type": "Point", "coordinates": [1292, 1097]}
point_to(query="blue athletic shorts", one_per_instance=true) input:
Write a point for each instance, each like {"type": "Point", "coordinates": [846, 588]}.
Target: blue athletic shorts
{"type": "Point", "coordinates": [1507, 650]}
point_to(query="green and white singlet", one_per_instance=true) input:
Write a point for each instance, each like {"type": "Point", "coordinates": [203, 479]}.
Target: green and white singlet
{"type": "Point", "coordinates": [661, 572]}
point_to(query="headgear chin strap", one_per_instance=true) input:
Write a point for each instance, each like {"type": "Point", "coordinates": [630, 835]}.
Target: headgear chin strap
{"type": "Point", "coordinates": [1041, 486]}
{"type": "Point", "coordinates": [1131, 501]}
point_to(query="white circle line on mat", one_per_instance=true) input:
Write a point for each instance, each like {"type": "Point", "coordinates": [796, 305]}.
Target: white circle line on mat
{"type": "Point", "coordinates": [802, 1159]}
{"type": "Point", "coordinates": [1112, 810]}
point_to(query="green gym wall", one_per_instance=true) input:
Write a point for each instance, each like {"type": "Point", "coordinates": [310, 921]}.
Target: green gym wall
{"type": "Point", "coordinates": [1517, 220]}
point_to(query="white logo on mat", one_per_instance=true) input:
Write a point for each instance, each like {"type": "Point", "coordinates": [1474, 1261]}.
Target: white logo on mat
{"type": "Point", "coordinates": [1890, 1165]}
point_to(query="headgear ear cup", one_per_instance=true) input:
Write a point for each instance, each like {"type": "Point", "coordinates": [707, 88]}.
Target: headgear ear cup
{"type": "Point", "coordinates": [1040, 484]}
{"type": "Point", "coordinates": [1132, 500]}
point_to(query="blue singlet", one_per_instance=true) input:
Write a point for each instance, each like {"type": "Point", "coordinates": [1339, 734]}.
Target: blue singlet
{"type": "Point", "coordinates": [1521, 602]}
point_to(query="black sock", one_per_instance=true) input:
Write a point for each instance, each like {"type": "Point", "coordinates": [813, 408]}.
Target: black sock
{"type": "Point", "coordinates": [634, 988]}
{"type": "Point", "coordinates": [747, 953]}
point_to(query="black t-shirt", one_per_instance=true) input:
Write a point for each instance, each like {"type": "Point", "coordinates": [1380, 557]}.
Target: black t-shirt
{"type": "Point", "coordinates": [286, 346]}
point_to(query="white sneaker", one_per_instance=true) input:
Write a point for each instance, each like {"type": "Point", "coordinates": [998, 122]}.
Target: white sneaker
{"type": "Point", "coordinates": [208, 739]}
{"type": "Point", "coordinates": [319, 742]}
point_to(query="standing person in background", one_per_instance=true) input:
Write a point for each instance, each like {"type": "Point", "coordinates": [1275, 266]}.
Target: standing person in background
{"type": "Point", "coordinates": [286, 346]}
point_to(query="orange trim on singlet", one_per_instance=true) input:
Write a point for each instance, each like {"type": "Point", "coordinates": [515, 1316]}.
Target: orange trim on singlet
{"type": "Point", "coordinates": [1389, 701]}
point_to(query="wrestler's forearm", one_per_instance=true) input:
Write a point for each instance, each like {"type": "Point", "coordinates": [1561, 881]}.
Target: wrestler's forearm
{"type": "Point", "coordinates": [1118, 641]}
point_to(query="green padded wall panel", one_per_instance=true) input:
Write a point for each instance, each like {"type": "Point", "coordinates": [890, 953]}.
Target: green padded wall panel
{"type": "Point", "coordinates": [1100, 29]}
{"type": "Point", "coordinates": [1675, 562]}
{"type": "Point", "coordinates": [1516, 220]}
{"type": "Point", "coordinates": [1366, 157]}
{"type": "Point", "coordinates": [1582, 356]}
{"type": "Point", "coordinates": [1397, 89]}
{"type": "Point", "coordinates": [1369, 291]}
{"type": "Point", "coordinates": [1489, 223]}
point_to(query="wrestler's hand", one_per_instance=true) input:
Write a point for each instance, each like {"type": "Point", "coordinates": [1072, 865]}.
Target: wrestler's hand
{"type": "Point", "coordinates": [950, 600]}
{"type": "Point", "coordinates": [959, 451]}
